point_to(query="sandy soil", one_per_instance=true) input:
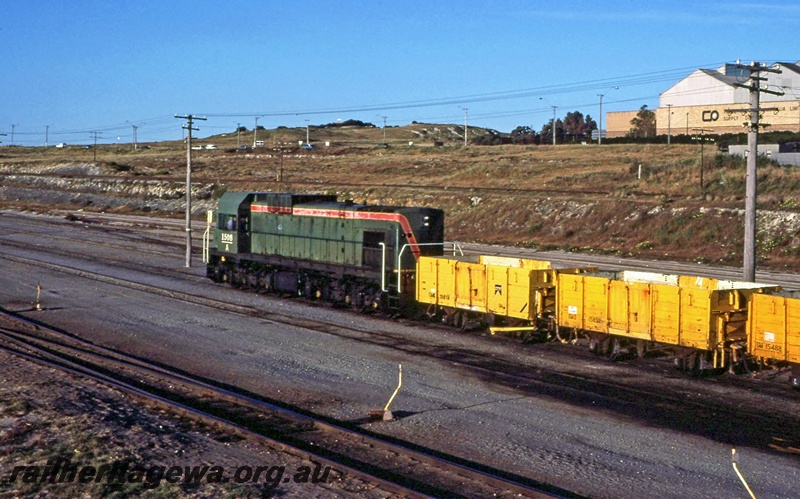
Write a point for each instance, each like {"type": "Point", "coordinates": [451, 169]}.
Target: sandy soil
{"type": "Point", "coordinates": [47, 415]}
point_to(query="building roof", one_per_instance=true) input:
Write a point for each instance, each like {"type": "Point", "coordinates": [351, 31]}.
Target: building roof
{"type": "Point", "coordinates": [724, 78]}
{"type": "Point", "coordinates": [791, 66]}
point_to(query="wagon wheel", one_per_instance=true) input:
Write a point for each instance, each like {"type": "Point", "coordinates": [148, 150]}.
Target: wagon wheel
{"type": "Point", "coordinates": [461, 320]}
{"type": "Point", "coordinates": [608, 348]}
{"type": "Point", "coordinates": [689, 364]}
{"type": "Point", "coordinates": [593, 344]}
{"type": "Point", "coordinates": [600, 344]}
{"type": "Point", "coordinates": [449, 317]}
{"type": "Point", "coordinates": [641, 348]}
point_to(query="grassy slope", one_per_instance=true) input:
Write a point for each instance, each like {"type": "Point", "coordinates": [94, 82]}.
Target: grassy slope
{"type": "Point", "coordinates": [585, 197]}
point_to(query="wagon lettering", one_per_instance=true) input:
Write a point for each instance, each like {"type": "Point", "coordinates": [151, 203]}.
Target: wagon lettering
{"type": "Point", "coordinates": [226, 237]}
{"type": "Point", "coordinates": [595, 320]}
{"type": "Point", "coordinates": [774, 347]}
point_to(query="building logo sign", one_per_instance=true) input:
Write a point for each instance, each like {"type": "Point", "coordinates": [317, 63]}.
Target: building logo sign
{"type": "Point", "coordinates": [710, 115]}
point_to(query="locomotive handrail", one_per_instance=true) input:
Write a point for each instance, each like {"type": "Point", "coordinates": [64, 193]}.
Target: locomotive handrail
{"type": "Point", "coordinates": [383, 267]}
{"type": "Point", "coordinates": [207, 235]}
{"type": "Point", "coordinates": [206, 244]}
{"type": "Point", "coordinates": [456, 247]}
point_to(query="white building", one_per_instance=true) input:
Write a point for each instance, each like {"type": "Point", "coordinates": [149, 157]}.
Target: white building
{"type": "Point", "coordinates": [711, 99]}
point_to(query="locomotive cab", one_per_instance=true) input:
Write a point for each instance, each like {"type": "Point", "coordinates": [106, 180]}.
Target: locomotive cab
{"type": "Point", "coordinates": [232, 232]}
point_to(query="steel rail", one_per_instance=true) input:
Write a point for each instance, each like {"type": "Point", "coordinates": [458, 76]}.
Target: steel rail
{"type": "Point", "coordinates": [407, 484]}
{"type": "Point", "coordinates": [193, 413]}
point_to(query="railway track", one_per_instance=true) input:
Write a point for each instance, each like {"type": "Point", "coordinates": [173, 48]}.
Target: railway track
{"type": "Point", "coordinates": [689, 410]}
{"type": "Point", "coordinates": [392, 467]}
{"type": "Point", "coordinates": [677, 407]}
{"type": "Point", "coordinates": [786, 280]}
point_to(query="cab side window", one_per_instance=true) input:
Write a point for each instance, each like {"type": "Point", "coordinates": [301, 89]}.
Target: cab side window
{"type": "Point", "coordinates": [226, 222]}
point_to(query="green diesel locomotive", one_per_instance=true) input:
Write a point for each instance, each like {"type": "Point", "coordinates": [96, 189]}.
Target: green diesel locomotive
{"type": "Point", "coordinates": [312, 245]}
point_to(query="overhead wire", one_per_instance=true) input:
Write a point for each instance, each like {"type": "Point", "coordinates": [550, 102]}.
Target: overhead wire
{"type": "Point", "coordinates": [599, 85]}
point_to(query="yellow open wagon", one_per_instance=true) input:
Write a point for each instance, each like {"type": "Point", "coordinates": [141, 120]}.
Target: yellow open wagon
{"type": "Point", "coordinates": [773, 330]}
{"type": "Point", "coordinates": [688, 314]}
{"type": "Point", "coordinates": [513, 291]}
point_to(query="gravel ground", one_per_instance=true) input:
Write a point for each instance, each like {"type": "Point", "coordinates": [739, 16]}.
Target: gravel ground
{"type": "Point", "coordinates": [593, 447]}
{"type": "Point", "coordinates": [47, 415]}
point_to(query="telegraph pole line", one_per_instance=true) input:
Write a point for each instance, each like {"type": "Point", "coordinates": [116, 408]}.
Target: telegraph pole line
{"type": "Point", "coordinates": [702, 139]}
{"type": "Point", "coordinates": [188, 126]}
{"type": "Point", "coordinates": [384, 144]}
{"type": "Point", "coordinates": [669, 129]}
{"type": "Point", "coordinates": [95, 134]}
{"type": "Point", "coordinates": [466, 124]}
{"type": "Point", "coordinates": [600, 121]}
{"type": "Point", "coordinates": [754, 86]}
{"type": "Point", "coordinates": [255, 133]}
{"type": "Point", "coordinates": [134, 136]}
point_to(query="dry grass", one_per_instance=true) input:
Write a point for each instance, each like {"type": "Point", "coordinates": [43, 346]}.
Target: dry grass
{"type": "Point", "coordinates": [584, 197]}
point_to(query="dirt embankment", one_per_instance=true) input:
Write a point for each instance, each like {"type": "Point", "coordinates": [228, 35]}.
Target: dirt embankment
{"type": "Point", "coordinates": [83, 186]}
{"type": "Point", "coordinates": [619, 200]}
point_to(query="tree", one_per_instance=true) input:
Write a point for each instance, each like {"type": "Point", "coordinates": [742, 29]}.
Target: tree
{"type": "Point", "coordinates": [644, 124]}
{"type": "Point", "coordinates": [546, 135]}
{"type": "Point", "coordinates": [523, 135]}
{"type": "Point", "coordinates": [576, 127]}
{"type": "Point", "coordinates": [352, 123]}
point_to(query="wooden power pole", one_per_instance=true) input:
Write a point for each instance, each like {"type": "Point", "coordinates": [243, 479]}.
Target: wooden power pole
{"type": "Point", "coordinates": [754, 86]}
{"type": "Point", "coordinates": [188, 126]}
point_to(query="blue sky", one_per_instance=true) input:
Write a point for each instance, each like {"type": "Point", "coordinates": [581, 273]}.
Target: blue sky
{"type": "Point", "coordinates": [73, 67]}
